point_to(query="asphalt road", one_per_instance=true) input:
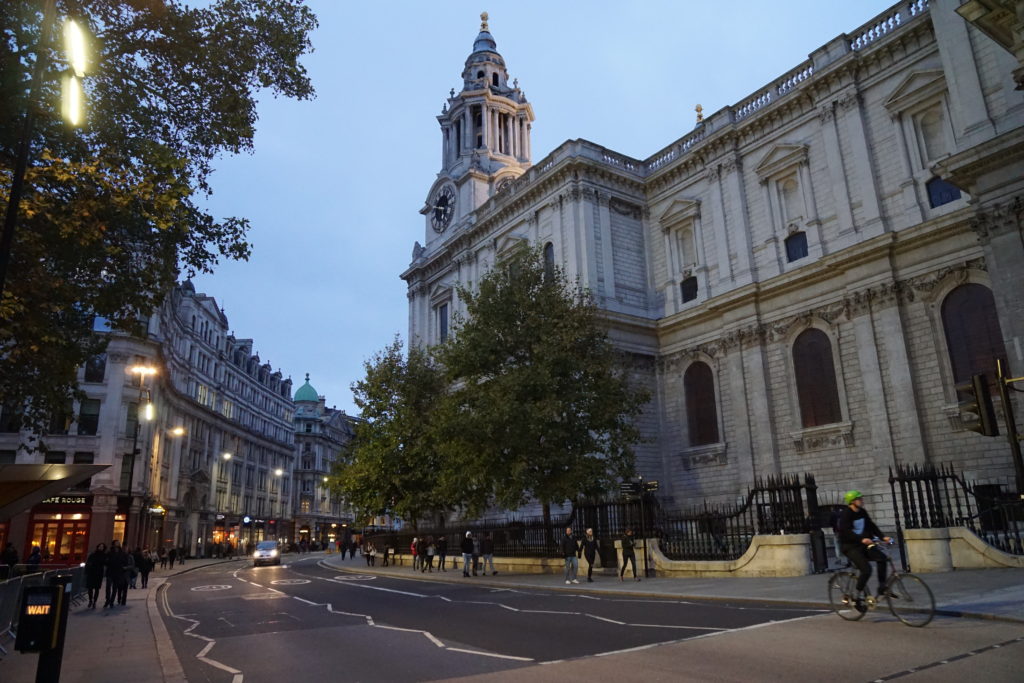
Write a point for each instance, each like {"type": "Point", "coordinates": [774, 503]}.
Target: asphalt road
{"type": "Point", "coordinates": [268, 623]}
{"type": "Point", "coordinates": [239, 624]}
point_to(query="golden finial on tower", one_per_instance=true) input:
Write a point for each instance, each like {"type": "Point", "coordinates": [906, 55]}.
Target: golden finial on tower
{"type": "Point", "coordinates": [700, 114]}
{"type": "Point", "coordinates": [483, 21]}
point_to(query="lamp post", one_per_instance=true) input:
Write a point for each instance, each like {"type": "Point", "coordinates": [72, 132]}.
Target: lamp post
{"type": "Point", "coordinates": [142, 371]}
{"type": "Point", "coordinates": [75, 55]}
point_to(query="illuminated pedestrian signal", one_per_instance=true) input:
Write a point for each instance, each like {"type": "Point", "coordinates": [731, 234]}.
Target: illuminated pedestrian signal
{"type": "Point", "coordinates": [976, 411]}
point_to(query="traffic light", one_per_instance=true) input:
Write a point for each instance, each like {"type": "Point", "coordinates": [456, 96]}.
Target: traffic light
{"type": "Point", "coordinates": [976, 411]}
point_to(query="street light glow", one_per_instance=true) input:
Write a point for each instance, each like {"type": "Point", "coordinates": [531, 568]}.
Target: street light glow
{"type": "Point", "coordinates": [74, 47]}
{"type": "Point", "coordinates": [73, 101]}
{"type": "Point", "coordinates": [226, 456]}
{"type": "Point", "coordinates": [149, 412]}
{"type": "Point", "coordinates": [278, 472]}
{"type": "Point", "coordinates": [178, 431]}
{"type": "Point", "coordinates": [142, 370]}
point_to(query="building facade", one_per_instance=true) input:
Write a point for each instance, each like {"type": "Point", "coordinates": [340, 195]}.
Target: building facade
{"type": "Point", "coordinates": [321, 433]}
{"type": "Point", "coordinates": [801, 281]}
{"type": "Point", "coordinates": [212, 463]}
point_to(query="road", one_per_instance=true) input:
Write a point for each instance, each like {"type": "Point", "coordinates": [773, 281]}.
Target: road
{"type": "Point", "coordinates": [234, 623]}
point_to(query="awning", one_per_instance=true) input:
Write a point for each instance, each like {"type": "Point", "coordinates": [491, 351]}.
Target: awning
{"type": "Point", "coordinates": [22, 486]}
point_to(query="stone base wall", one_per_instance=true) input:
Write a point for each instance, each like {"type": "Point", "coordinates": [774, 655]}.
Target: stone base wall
{"type": "Point", "coordinates": [942, 550]}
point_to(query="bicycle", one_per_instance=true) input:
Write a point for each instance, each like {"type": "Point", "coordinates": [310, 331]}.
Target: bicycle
{"type": "Point", "coordinates": [909, 598]}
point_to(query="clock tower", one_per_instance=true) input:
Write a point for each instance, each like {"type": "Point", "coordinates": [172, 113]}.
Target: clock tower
{"type": "Point", "coordinates": [485, 140]}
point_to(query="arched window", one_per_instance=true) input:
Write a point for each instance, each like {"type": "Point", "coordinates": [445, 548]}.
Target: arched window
{"type": "Point", "coordinates": [791, 200]}
{"type": "Point", "coordinates": [816, 379]}
{"type": "Point", "coordinates": [796, 246]}
{"type": "Point", "coordinates": [479, 74]}
{"type": "Point", "coordinates": [701, 411]}
{"type": "Point", "coordinates": [973, 335]}
{"type": "Point", "coordinates": [549, 262]}
{"type": "Point", "coordinates": [494, 79]}
{"type": "Point", "coordinates": [934, 135]}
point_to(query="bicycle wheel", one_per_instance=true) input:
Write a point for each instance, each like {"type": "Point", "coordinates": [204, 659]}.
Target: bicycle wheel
{"type": "Point", "coordinates": [910, 599]}
{"type": "Point", "coordinates": [842, 591]}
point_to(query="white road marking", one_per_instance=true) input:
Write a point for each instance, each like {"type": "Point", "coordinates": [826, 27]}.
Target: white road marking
{"type": "Point", "coordinates": [491, 654]}
{"type": "Point", "coordinates": [216, 587]}
{"type": "Point", "coordinates": [290, 582]}
{"type": "Point", "coordinates": [308, 602]}
{"type": "Point", "coordinates": [237, 676]}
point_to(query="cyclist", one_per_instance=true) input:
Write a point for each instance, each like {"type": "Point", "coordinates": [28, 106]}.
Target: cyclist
{"type": "Point", "coordinates": [856, 535]}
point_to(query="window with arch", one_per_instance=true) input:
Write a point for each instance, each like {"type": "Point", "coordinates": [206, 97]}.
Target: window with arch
{"type": "Point", "coordinates": [816, 386]}
{"type": "Point", "coordinates": [796, 246]}
{"type": "Point", "coordinates": [791, 201]}
{"type": "Point", "coordinates": [973, 336]}
{"type": "Point", "coordinates": [549, 262]}
{"type": "Point", "coordinates": [479, 74]}
{"type": "Point", "coordinates": [701, 411]}
{"type": "Point", "coordinates": [494, 79]}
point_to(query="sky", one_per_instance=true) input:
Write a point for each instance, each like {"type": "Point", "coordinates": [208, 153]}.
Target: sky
{"type": "Point", "coordinates": [334, 186]}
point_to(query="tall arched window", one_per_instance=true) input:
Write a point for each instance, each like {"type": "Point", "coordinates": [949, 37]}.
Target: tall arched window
{"type": "Point", "coordinates": [701, 411]}
{"type": "Point", "coordinates": [816, 379]}
{"type": "Point", "coordinates": [973, 335]}
{"type": "Point", "coordinates": [549, 262]}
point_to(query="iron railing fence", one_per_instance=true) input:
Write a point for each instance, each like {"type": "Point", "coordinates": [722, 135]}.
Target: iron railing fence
{"type": "Point", "coordinates": [10, 597]}
{"type": "Point", "coordinates": [930, 497]}
{"type": "Point", "coordinates": [773, 505]}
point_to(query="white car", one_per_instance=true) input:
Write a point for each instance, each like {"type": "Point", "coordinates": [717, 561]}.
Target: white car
{"type": "Point", "coordinates": [267, 552]}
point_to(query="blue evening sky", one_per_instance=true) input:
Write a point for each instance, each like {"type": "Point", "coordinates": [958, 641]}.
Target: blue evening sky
{"type": "Point", "coordinates": [335, 184]}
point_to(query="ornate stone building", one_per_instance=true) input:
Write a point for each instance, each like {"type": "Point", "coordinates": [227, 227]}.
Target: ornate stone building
{"type": "Point", "coordinates": [320, 434]}
{"type": "Point", "coordinates": [217, 450]}
{"type": "Point", "coordinates": [801, 280]}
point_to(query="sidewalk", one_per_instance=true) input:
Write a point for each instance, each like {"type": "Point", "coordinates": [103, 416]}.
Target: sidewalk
{"type": "Point", "coordinates": [121, 645]}
{"type": "Point", "coordinates": [978, 593]}
{"type": "Point", "coordinates": [130, 644]}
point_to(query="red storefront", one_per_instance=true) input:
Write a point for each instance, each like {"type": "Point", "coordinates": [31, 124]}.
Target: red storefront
{"type": "Point", "coordinates": [60, 527]}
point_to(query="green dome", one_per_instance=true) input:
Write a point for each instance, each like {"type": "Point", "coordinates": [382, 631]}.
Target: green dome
{"type": "Point", "coordinates": [306, 392]}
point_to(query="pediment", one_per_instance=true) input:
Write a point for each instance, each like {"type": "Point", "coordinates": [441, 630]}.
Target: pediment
{"type": "Point", "coordinates": [440, 292]}
{"type": "Point", "coordinates": [917, 87]}
{"type": "Point", "coordinates": [507, 243]}
{"type": "Point", "coordinates": [679, 211]}
{"type": "Point", "coordinates": [781, 158]}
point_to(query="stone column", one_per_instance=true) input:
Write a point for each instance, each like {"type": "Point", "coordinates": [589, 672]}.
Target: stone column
{"type": "Point", "coordinates": [902, 387]}
{"type": "Point", "coordinates": [837, 173]}
{"type": "Point", "coordinates": [718, 221]}
{"type": "Point", "coordinates": [874, 389]}
{"type": "Point", "coordinates": [740, 229]}
{"type": "Point", "coordinates": [608, 258]}
{"type": "Point", "coordinates": [741, 449]}
{"type": "Point", "coordinates": [870, 209]}
{"type": "Point", "coordinates": [764, 446]}
{"type": "Point", "coordinates": [966, 99]}
{"type": "Point", "coordinates": [912, 213]}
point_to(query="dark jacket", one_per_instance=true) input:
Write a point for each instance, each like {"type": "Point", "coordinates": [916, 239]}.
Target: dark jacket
{"type": "Point", "coordinates": [487, 546]}
{"type": "Point", "coordinates": [628, 543]}
{"type": "Point", "coordinates": [442, 546]}
{"type": "Point", "coordinates": [117, 565]}
{"type": "Point", "coordinates": [10, 555]}
{"type": "Point", "coordinates": [467, 545]}
{"type": "Point", "coordinates": [589, 547]}
{"type": "Point", "coordinates": [95, 566]}
{"type": "Point", "coordinates": [856, 526]}
{"type": "Point", "coordinates": [569, 546]}
{"type": "Point", "coordinates": [34, 559]}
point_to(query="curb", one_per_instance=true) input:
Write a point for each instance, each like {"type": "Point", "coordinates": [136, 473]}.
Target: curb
{"type": "Point", "coordinates": [807, 604]}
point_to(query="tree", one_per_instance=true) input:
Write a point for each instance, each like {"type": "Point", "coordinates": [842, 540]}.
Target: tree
{"type": "Point", "coordinates": [392, 465]}
{"type": "Point", "coordinates": [539, 406]}
{"type": "Point", "coordinates": [110, 214]}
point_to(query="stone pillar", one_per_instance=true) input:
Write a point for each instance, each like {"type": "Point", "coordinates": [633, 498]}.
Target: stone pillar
{"type": "Point", "coordinates": [902, 387]}
{"type": "Point", "coordinates": [837, 173]}
{"type": "Point", "coordinates": [764, 446]}
{"type": "Point", "coordinates": [912, 213]}
{"type": "Point", "coordinates": [741, 443]}
{"type": "Point", "coordinates": [870, 209]}
{"type": "Point", "coordinates": [928, 550]}
{"type": "Point", "coordinates": [608, 258]}
{"type": "Point", "coordinates": [874, 389]}
{"type": "Point", "coordinates": [739, 230]}
{"type": "Point", "coordinates": [713, 176]}
{"type": "Point", "coordinates": [966, 100]}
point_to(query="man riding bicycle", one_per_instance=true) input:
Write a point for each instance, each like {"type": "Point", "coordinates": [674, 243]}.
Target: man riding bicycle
{"type": "Point", "coordinates": [856, 536]}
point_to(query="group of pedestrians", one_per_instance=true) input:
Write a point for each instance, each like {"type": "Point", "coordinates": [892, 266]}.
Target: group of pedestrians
{"type": "Point", "coordinates": [122, 570]}
{"type": "Point", "coordinates": [425, 550]}
{"type": "Point", "coordinates": [477, 554]}
{"type": "Point", "coordinates": [572, 549]}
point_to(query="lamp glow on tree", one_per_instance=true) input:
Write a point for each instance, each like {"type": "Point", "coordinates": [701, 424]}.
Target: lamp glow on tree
{"type": "Point", "coordinates": [75, 53]}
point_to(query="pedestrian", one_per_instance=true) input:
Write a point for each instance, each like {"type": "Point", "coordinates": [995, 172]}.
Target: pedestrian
{"type": "Point", "coordinates": [414, 551]}
{"type": "Point", "coordinates": [181, 555]}
{"type": "Point", "coordinates": [133, 566]}
{"type": "Point", "coordinates": [487, 550]}
{"type": "Point", "coordinates": [172, 555]}
{"type": "Point", "coordinates": [476, 554]}
{"type": "Point", "coordinates": [145, 565]}
{"type": "Point", "coordinates": [95, 567]}
{"type": "Point", "coordinates": [161, 553]}
{"type": "Point", "coordinates": [431, 551]}
{"type": "Point", "coordinates": [34, 558]}
{"type": "Point", "coordinates": [467, 553]}
{"type": "Point", "coordinates": [590, 551]}
{"type": "Point", "coordinates": [10, 559]}
{"type": "Point", "coordinates": [628, 554]}
{"type": "Point", "coordinates": [117, 576]}
{"type": "Point", "coordinates": [442, 553]}
{"type": "Point", "coordinates": [570, 549]}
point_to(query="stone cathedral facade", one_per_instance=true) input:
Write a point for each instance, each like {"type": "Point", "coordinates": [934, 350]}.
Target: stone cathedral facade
{"type": "Point", "coordinates": [801, 280]}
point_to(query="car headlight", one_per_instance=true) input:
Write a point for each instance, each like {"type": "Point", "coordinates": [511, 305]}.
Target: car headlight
{"type": "Point", "coordinates": [256, 555]}
{"type": "Point", "coordinates": [273, 553]}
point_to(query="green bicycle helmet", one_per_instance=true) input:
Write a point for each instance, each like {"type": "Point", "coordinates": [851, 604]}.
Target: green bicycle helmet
{"type": "Point", "coordinates": [852, 496]}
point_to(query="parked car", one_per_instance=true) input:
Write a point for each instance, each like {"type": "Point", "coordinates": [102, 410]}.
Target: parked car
{"type": "Point", "coordinates": [266, 552]}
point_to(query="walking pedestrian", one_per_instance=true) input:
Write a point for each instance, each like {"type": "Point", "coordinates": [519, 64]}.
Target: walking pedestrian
{"type": "Point", "coordinates": [146, 565]}
{"type": "Point", "coordinates": [442, 553]}
{"type": "Point", "coordinates": [590, 551]}
{"type": "Point", "coordinates": [431, 551]}
{"type": "Point", "coordinates": [9, 558]}
{"type": "Point", "coordinates": [181, 555]}
{"type": "Point", "coordinates": [34, 558]}
{"type": "Point", "coordinates": [95, 567]}
{"type": "Point", "coordinates": [117, 576]}
{"type": "Point", "coordinates": [134, 560]}
{"type": "Point", "coordinates": [414, 551]}
{"type": "Point", "coordinates": [628, 554]}
{"type": "Point", "coordinates": [467, 553]}
{"type": "Point", "coordinates": [487, 550]}
{"type": "Point", "coordinates": [172, 555]}
{"type": "Point", "coordinates": [570, 548]}
{"type": "Point", "coordinates": [476, 554]}
{"type": "Point", "coordinates": [161, 553]}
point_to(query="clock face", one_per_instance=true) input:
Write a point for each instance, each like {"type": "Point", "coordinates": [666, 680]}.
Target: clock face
{"type": "Point", "coordinates": [444, 208]}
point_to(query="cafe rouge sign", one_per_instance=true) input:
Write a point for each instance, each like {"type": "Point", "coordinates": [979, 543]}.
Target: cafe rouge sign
{"type": "Point", "coordinates": [66, 500]}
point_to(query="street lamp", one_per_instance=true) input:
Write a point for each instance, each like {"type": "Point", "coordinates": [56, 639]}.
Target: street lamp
{"type": "Point", "coordinates": [143, 371]}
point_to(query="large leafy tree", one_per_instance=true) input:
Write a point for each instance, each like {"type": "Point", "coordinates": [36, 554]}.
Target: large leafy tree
{"type": "Point", "coordinates": [110, 214]}
{"type": "Point", "coordinates": [393, 463]}
{"type": "Point", "coordinates": [539, 406]}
